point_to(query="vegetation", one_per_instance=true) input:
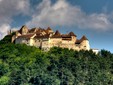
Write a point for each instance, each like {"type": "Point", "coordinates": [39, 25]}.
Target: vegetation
{"type": "Point", "coordinates": [6, 40]}
{"type": "Point", "coordinates": [26, 65]}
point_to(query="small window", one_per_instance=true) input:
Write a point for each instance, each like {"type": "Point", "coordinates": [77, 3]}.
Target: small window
{"type": "Point", "coordinates": [35, 40]}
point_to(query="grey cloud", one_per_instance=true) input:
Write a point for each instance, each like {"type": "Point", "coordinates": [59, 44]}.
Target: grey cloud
{"type": "Point", "coordinates": [4, 28]}
{"type": "Point", "coordinates": [46, 14]}
{"type": "Point", "coordinates": [8, 9]}
{"type": "Point", "coordinates": [64, 14]}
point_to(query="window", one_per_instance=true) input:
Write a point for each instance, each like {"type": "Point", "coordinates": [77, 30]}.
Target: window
{"type": "Point", "coordinates": [35, 40]}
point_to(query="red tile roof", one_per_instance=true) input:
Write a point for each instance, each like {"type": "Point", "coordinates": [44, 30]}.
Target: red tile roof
{"type": "Point", "coordinates": [79, 41]}
{"type": "Point", "coordinates": [57, 35]}
{"type": "Point", "coordinates": [32, 30]}
{"type": "Point", "coordinates": [42, 36]}
{"type": "Point", "coordinates": [49, 28]}
{"type": "Point", "coordinates": [39, 34]}
{"type": "Point", "coordinates": [84, 38]}
{"type": "Point", "coordinates": [26, 36]}
{"type": "Point", "coordinates": [66, 36]}
{"type": "Point", "coordinates": [66, 39]}
{"type": "Point", "coordinates": [72, 34]}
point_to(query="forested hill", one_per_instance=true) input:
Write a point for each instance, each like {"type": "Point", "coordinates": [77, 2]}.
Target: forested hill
{"type": "Point", "coordinates": [26, 65]}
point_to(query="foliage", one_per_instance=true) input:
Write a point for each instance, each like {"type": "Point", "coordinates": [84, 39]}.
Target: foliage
{"type": "Point", "coordinates": [6, 40]}
{"type": "Point", "coordinates": [27, 65]}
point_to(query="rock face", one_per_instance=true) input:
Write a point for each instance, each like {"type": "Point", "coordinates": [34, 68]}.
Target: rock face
{"type": "Point", "coordinates": [47, 38]}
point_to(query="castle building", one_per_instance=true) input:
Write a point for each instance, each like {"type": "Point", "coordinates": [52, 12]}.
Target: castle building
{"type": "Point", "coordinates": [47, 38]}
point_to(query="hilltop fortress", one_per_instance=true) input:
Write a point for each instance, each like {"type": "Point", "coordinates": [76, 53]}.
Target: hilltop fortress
{"type": "Point", "coordinates": [47, 38]}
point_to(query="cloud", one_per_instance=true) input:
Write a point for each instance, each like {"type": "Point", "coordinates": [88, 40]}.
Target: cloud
{"type": "Point", "coordinates": [96, 21]}
{"type": "Point", "coordinates": [61, 13]}
{"type": "Point", "coordinates": [64, 14]}
{"type": "Point", "coordinates": [4, 30]}
{"type": "Point", "coordinates": [9, 9]}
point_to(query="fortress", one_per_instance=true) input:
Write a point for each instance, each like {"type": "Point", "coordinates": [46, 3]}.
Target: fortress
{"type": "Point", "coordinates": [47, 38]}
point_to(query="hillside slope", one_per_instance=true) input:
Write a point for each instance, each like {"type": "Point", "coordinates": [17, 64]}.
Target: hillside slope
{"type": "Point", "coordinates": [26, 65]}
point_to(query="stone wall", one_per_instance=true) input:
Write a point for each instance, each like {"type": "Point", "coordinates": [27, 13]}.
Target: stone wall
{"type": "Point", "coordinates": [37, 43]}
{"type": "Point", "coordinates": [47, 43]}
{"type": "Point", "coordinates": [22, 41]}
{"type": "Point", "coordinates": [84, 45]}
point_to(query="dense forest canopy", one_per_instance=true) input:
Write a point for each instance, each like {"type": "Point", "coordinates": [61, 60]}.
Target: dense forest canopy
{"type": "Point", "coordinates": [27, 65]}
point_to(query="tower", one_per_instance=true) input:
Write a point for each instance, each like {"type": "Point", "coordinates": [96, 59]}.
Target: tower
{"type": "Point", "coordinates": [73, 36]}
{"type": "Point", "coordinates": [84, 43]}
{"type": "Point", "coordinates": [23, 30]}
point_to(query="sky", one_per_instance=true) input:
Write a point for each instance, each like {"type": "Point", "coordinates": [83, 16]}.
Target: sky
{"type": "Point", "coordinates": [93, 18]}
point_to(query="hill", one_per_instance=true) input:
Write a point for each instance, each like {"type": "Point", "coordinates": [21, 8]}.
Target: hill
{"type": "Point", "coordinates": [26, 65]}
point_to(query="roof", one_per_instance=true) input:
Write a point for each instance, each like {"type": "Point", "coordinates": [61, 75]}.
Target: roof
{"type": "Point", "coordinates": [72, 34]}
{"type": "Point", "coordinates": [57, 34]}
{"type": "Point", "coordinates": [66, 39]}
{"type": "Point", "coordinates": [32, 30]}
{"type": "Point", "coordinates": [49, 28]}
{"type": "Point", "coordinates": [45, 33]}
{"type": "Point", "coordinates": [84, 38]}
{"type": "Point", "coordinates": [39, 31]}
{"type": "Point", "coordinates": [49, 31]}
{"type": "Point", "coordinates": [66, 36]}
{"type": "Point", "coordinates": [26, 36]}
{"type": "Point", "coordinates": [79, 41]}
{"type": "Point", "coordinates": [24, 26]}
{"type": "Point", "coordinates": [42, 36]}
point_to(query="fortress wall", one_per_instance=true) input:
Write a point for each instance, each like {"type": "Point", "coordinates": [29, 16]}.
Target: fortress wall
{"type": "Point", "coordinates": [85, 45]}
{"type": "Point", "coordinates": [19, 40]}
{"type": "Point", "coordinates": [37, 43]}
{"type": "Point", "coordinates": [13, 38]}
{"type": "Point", "coordinates": [22, 40]}
{"type": "Point", "coordinates": [68, 42]}
{"type": "Point", "coordinates": [62, 43]}
{"type": "Point", "coordinates": [68, 45]}
{"type": "Point", "coordinates": [45, 45]}
{"type": "Point", "coordinates": [24, 30]}
{"type": "Point", "coordinates": [55, 40]}
{"type": "Point", "coordinates": [18, 34]}
{"type": "Point", "coordinates": [32, 42]}
{"type": "Point", "coordinates": [73, 38]}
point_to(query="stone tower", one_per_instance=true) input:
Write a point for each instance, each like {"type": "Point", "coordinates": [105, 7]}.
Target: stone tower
{"type": "Point", "coordinates": [85, 43]}
{"type": "Point", "coordinates": [23, 30]}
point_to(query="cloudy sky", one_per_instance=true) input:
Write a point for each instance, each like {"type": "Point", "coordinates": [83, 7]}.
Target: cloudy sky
{"type": "Point", "coordinates": [93, 18]}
